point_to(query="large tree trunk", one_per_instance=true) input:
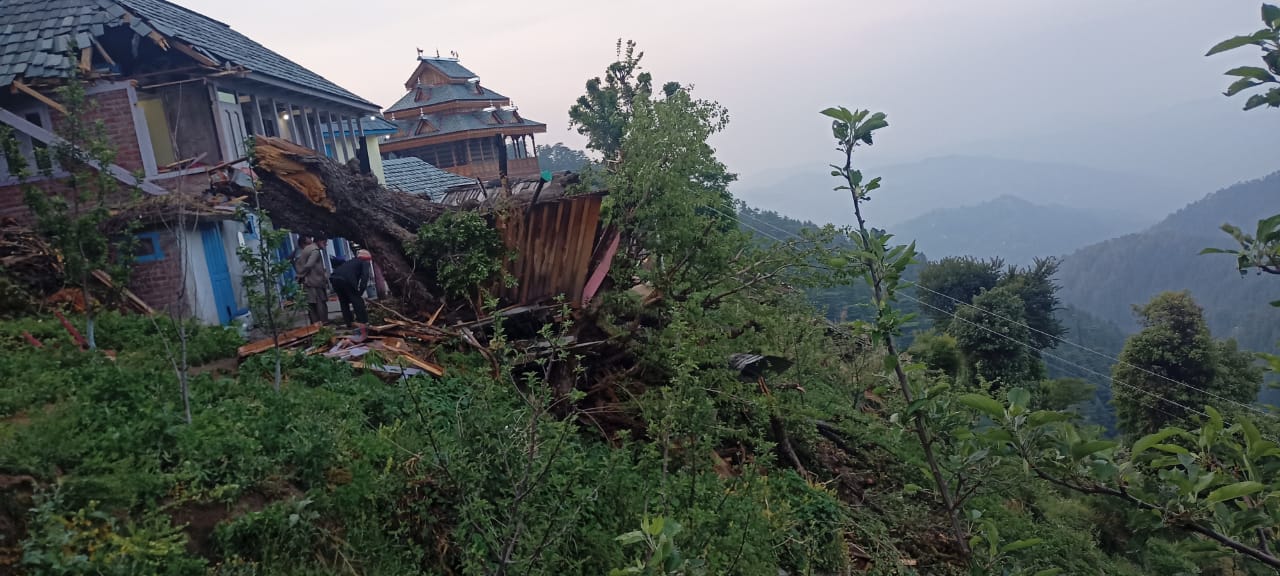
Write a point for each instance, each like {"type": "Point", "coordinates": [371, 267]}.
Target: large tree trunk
{"type": "Point", "coordinates": [316, 196]}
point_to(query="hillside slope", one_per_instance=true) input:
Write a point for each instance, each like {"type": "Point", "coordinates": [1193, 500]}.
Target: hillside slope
{"type": "Point", "coordinates": [1108, 278]}
{"type": "Point", "coordinates": [1014, 229]}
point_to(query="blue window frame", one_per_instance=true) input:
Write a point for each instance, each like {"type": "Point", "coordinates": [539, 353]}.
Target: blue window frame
{"type": "Point", "coordinates": [148, 248]}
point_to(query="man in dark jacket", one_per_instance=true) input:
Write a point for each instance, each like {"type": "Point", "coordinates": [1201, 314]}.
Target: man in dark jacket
{"type": "Point", "coordinates": [349, 282]}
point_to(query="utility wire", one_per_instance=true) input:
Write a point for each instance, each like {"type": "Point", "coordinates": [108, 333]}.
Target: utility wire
{"type": "Point", "coordinates": [1249, 407]}
{"type": "Point", "coordinates": [1029, 346]}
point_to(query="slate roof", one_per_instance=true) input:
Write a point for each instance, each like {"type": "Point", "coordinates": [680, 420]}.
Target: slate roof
{"type": "Point", "coordinates": [464, 121]}
{"type": "Point", "coordinates": [416, 176]}
{"type": "Point", "coordinates": [450, 67]}
{"type": "Point", "coordinates": [444, 93]}
{"type": "Point", "coordinates": [373, 125]}
{"type": "Point", "coordinates": [35, 33]}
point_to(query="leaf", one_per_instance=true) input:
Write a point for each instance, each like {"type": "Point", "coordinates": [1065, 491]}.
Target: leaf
{"type": "Point", "coordinates": [1216, 251]}
{"type": "Point", "coordinates": [1152, 439]}
{"type": "Point", "coordinates": [1231, 44]}
{"type": "Point", "coordinates": [842, 114]}
{"type": "Point", "coordinates": [630, 538]}
{"type": "Point", "coordinates": [1082, 449]}
{"type": "Point", "coordinates": [984, 403]}
{"type": "Point", "coordinates": [1019, 397]}
{"type": "Point", "coordinates": [1171, 449]}
{"type": "Point", "coordinates": [1241, 85]}
{"type": "Point", "coordinates": [1041, 417]}
{"type": "Point", "coordinates": [1020, 544]}
{"type": "Point", "coordinates": [1270, 14]}
{"type": "Point", "coordinates": [1048, 572]}
{"type": "Point", "coordinates": [1255, 101]}
{"type": "Point", "coordinates": [1232, 491]}
{"type": "Point", "coordinates": [1251, 72]}
{"type": "Point", "coordinates": [998, 435]}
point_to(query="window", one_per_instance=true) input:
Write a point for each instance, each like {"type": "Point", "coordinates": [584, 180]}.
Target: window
{"type": "Point", "coordinates": [148, 248]}
{"type": "Point", "coordinates": [30, 153]}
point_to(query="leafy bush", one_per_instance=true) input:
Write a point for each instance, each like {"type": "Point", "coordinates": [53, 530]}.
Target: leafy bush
{"type": "Point", "coordinates": [462, 250]}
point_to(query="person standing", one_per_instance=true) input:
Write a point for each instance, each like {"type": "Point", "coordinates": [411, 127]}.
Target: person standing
{"type": "Point", "coordinates": [350, 280]}
{"type": "Point", "coordinates": [314, 278]}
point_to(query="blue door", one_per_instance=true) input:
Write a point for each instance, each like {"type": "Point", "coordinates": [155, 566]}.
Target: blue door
{"type": "Point", "coordinates": [215, 256]}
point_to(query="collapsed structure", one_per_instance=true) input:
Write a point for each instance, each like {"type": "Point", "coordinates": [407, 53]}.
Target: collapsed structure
{"type": "Point", "coordinates": [180, 95]}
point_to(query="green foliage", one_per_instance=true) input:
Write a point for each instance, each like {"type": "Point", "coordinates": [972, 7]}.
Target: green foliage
{"type": "Point", "coordinates": [1249, 77]}
{"type": "Point", "coordinates": [991, 334]}
{"type": "Point", "coordinates": [1175, 358]}
{"type": "Point", "coordinates": [1215, 481]}
{"type": "Point", "coordinates": [660, 556]}
{"type": "Point", "coordinates": [263, 278]}
{"type": "Point", "coordinates": [90, 541]}
{"type": "Point", "coordinates": [463, 250]}
{"type": "Point", "coordinates": [954, 281]}
{"type": "Point", "coordinates": [558, 157]}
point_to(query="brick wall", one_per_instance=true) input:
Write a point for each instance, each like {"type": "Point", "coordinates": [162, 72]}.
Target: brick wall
{"type": "Point", "coordinates": [159, 282]}
{"type": "Point", "coordinates": [116, 113]}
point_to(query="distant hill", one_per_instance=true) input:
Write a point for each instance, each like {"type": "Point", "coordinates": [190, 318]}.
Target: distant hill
{"type": "Point", "coordinates": [1108, 278]}
{"type": "Point", "coordinates": [911, 190]}
{"type": "Point", "coordinates": [1013, 229]}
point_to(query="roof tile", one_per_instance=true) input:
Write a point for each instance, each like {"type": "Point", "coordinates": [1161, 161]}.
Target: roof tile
{"type": "Point", "coordinates": [30, 27]}
{"type": "Point", "coordinates": [416, 176]}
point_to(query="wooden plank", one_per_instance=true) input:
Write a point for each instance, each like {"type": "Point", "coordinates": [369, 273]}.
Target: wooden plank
{"type": "Point", "coordinates": [191, 52]}
{"type": "Point", "coordinates": [102, 52]}
{"type": "Point", "coordinates": [86, 58]}
{"type": "Point", "coordinates": [433, 369]}
{"type": "Point", "coordinates": [32, 92]}
{"type": "Point", "coordinates": [286, 339]}
{"type": "Point", "coordinates": [137, 302]}
{"type": "Point", "coordinates": [158, 39]}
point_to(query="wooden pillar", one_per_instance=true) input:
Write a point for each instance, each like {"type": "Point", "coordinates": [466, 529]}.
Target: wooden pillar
{"type": "Point", "coordinates": [355, 152]}
{"type": "Point", "coordinates": [344, 126]}
{"type": "Point", "coordinates": [314, 131]}
{"type": "Point", "coordinates": [294, 135]}
{"type": "Point", "coordinates": [275, 117]}
{"type": "Point", "coordinates": [257, 115]}
{"type": "Point", "coordinates": [336, 151]}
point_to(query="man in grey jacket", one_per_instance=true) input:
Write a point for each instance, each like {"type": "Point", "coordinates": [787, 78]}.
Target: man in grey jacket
{"type": "Point", "coordinates": [315, 280]}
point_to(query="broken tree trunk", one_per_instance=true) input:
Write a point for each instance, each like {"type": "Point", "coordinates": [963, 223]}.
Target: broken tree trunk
{"type": "Point", "coordinates": [316, 196]}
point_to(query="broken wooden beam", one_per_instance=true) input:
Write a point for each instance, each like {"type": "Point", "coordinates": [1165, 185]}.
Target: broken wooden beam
{"type": "Point", "coordinates": [32, 92]}
{"type": "Point", "coordinates": [285, 339]}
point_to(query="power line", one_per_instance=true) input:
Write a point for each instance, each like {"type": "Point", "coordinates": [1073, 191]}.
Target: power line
{"type": "Point", "coordinates": [1249, 407]}
{"type": "Point", "coordinates": [1033, 348]}
{"type": "Point", "coordinates": [1094, 352]}
{"type": "Point", "coordinates": [1058, 358]}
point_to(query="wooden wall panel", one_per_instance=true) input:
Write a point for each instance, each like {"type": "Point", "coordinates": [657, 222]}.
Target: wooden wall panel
{"type": "Point", "coordinates": [553, 242]}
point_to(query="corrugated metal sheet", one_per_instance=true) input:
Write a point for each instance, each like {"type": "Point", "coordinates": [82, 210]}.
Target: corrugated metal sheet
{"type": "Point", "coordinates": [553, 242]}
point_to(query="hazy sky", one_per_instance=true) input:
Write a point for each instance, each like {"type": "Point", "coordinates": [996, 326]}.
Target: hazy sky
{"type": "Point", "coordinates": [947, 73]}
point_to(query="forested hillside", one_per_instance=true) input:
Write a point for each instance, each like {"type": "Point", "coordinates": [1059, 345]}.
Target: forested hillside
{"type": "Point", "coordinates": [1107, 279]}
{"type": "Point", "coordinates": [1014, 229]}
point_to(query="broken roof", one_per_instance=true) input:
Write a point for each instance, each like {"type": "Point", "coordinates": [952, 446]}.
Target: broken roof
{"type": "Point", "coordinates": [36, 35]}
{"type": "Point", "coordinates": [442, 93]}
{"type": "Point", "coordinates": [416, 176]}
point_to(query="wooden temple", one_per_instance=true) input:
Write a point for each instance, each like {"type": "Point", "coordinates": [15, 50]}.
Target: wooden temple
{"type": "Point", "coordinates": [451, 121]}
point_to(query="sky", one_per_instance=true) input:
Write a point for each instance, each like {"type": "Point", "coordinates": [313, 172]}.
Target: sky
{"type": "Point", "coordinates": [950, 75]}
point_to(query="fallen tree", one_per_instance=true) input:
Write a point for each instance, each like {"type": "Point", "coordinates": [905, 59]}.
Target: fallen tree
{"type": "Point", "coordinates": [316, 196]}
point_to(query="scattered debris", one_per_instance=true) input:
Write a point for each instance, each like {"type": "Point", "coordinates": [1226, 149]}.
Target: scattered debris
{"type": "Point", "coordinates": [396, 348]}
